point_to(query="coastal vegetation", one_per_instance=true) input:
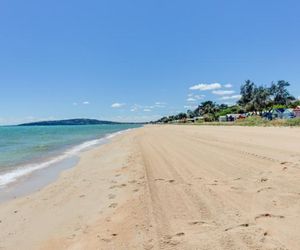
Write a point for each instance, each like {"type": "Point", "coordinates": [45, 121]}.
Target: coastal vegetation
{"type": "Point", "coordinates": [78, 121]}
{"type": "Point", "coordinates": [254, 101]}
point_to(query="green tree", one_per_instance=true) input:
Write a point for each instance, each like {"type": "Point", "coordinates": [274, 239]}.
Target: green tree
{"type": "Point", "coordinates": [248, 90]}
{"type": "Point", "coordinates": [207, 109]}
{"type": "Point", "coordinates": [181, 116]}
{"type": "Point", "coordinates": [262, 98]}
{"type": "Point", "coordinates": [280, 93]}
{"type": "Point", "coordinates": [191, 114]}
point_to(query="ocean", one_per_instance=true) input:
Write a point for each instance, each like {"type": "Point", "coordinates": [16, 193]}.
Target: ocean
{"type": "Point", "coordinates": [24, 150]}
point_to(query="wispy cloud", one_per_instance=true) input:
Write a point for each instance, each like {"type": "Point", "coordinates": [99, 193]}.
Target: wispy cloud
{"type": "Point", "coordinates": [228, 85]}
{"type": "Point", "coordinates": [191, 99]}
{"type": "Point", "coordinates": [232, 97]}
{"type": "Point", "coordinates": [136, 107]}
{"type": "Point", "coordinates": [117, 105]}
{"type": "Point", "coordinates": [206, 86]}
{"type": "Point", "coordinates": [223, 92]}
{"type": "Point", "coordinates": [190, 107]}
{"type": "Point", "coordinates": [194, 98]}
{"type": "Point", "coordinates": [80, 103]}
{"type": "Point", "coordinates": [160, 104]}
{"type": "Point", "coordinates": [148, 108]}
{"type": "Point", "coordinates": [199, 97]}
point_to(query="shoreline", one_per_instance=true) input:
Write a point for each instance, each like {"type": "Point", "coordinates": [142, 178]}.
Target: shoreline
{"type": "Point", "coordinates": [34, 176]}
{"type": "Point", "coordinates": [227, 188]}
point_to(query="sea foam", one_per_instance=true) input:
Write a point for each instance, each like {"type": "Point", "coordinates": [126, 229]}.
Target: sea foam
{"type": "Point", "coordinates": [21, 171]}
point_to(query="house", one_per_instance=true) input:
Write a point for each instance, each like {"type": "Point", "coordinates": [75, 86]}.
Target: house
{"type": "Point", "coordinates": [194, 119]}
{"type": "Point", "coordinates": [288, 114]}
{"type": "Point", "coordinates": [223, 118]}
{"type": "Point", "coordinates": [297, 112]}
{"type": "Point", "coordinates": [280, 113]}
{"type": "Point", "coordinates": [233, 117]}
{"type": "Point", "coordinates": [277, 113]}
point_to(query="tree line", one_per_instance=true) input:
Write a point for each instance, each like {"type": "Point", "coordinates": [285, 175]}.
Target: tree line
{"type": "Point", "coordinates": [254, 98]}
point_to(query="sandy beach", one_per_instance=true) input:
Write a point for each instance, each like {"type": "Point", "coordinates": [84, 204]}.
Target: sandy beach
{"type": "Point", "coordinates": [168, 187]}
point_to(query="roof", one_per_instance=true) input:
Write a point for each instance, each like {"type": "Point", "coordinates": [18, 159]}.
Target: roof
{"type": "Point", "coordinates": [288, 111]}
{"type": "Point", "coordinates": [297, 108]}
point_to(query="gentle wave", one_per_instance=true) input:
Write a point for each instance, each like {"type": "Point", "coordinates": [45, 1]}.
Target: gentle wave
{"type": "Point", "coordinates": [21, 171]}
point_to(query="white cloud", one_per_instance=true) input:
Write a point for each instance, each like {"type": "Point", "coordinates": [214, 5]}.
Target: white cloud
{"type": "Point", "coordinates": [228, 85]}
{"type": "Point", "coordinates": [199, 97]}
{"type": "Point", "coordinates": [232, 97]}
{"type": "Point", "coordinates": [86, 103]}
{"type": "Point", "coordinates": [205, 86]}
{"type": "Point", "coordinates": [194, 98]}
{"type": "Point", "coordinates": [135, 107]}
{"type": "Point", "coordinates": [117, 105]}
{"type": "Point", "coordinates": [147, 108]}
{"type": "Point", "coordinates": [223, 92]}
{"type": "Point", "coordinates": [160, 104]}
{"type": "Point", "coordinates": [191, 99]}
{"type": "Point", "coordinates": [190, 107]}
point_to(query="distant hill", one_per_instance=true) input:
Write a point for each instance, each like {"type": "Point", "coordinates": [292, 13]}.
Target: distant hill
{"type": "Point", "coordinates": [69, 122]}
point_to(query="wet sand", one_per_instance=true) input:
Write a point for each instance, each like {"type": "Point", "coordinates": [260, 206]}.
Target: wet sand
{"type": "Point", "coordinates": [169, 187]}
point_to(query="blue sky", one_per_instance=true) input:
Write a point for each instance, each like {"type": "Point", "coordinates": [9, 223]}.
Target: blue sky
{"type": "Point", "coordinates": [137, 60]}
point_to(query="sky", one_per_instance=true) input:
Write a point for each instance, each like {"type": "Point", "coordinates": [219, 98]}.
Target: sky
{"type": "Point", "coordinates": [138, 60]}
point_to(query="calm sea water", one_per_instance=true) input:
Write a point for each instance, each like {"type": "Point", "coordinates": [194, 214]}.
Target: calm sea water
{"type": "Point", "coordinates": [26, 149]}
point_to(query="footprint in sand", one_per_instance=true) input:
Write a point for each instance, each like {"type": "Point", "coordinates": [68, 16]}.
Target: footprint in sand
{"type": "Point", "coordinates": [264, 179]}
{"type": "Point", "coordinates": [194, 223]}
{"type": "Point", "coordinates": [132, 182]}
{"type": "Point", "coordinates": [111, 196]}
{"type": "Point", "coordinates": [267, 215]}
{"type": "Point", "coordinates": [173, 240]}
{"type": "Point", "coordinates": [264, 189]}
{"type": "Point", "coordinates": [171, 181]}
{"type": "Point", "coordinates": [284, 163]}
{"type": "Point", "coordinates": [113, 205]}
{"type": "Point", "coordinates": [106, 240]}
{"type": "Point", "coordinates": [241, 225]}
{"type": "Point", "coordinates": [198, 178]}
{"type": "Point", "coordinates": [118, 186]}
{"type": "Point", "coordinates": [159, 179]}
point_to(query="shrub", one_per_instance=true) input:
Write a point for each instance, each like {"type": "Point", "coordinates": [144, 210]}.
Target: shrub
{"type": "Point", "coordinates": [293, 122]}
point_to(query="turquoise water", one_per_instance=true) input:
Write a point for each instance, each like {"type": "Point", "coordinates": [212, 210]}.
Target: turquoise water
{"type": "Point", "coordinates": [25, 149]}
